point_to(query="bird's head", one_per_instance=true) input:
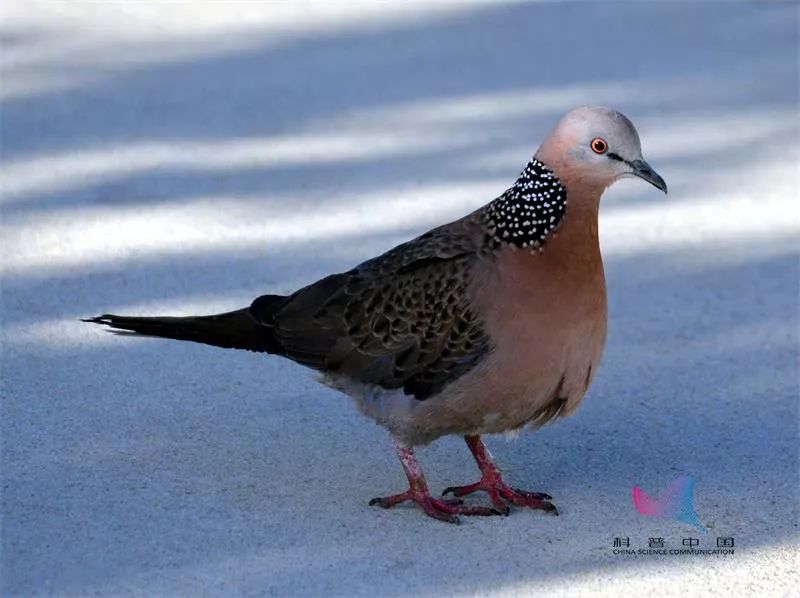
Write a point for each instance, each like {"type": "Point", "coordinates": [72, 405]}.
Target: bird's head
{"type": "Point", "coordinates": [596, 146]}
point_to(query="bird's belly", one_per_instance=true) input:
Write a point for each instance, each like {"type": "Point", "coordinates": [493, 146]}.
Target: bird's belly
{"type": "Point", "coordinates": [546, 345]}
{"type": "Point", "coordinates": [529, 379]}
{"type": "Point", "coordinates": [517, 384]}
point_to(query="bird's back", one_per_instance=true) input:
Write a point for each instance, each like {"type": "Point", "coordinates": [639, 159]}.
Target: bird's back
{"type": "Point", "coordinates": [401, 320]}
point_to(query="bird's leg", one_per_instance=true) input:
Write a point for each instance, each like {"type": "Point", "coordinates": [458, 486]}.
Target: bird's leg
{"type": "Point", "coordinates": [445, 510]}
{"type": "Point", "coordinates": [493, 484]}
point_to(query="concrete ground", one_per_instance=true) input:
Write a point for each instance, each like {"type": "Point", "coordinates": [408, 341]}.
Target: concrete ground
{"type": "Point", "coordinates": [167, 157]}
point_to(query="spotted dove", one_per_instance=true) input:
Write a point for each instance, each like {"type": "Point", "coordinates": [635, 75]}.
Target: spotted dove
{"type": "Point", "coordinates": [488, 324]}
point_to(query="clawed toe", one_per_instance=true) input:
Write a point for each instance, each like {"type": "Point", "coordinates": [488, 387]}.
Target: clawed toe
{"type": "Point", "coordinates": [460, 509]}
{"type": "Point", "coordinates": [532, 495]}
{"type": "Point", "coordinates": [443, 510]}
{"type": "Point", "coordinates": [502, 495]}
{"type": "Point", "coordinates": [452, 501]}
{"type": "Point", "coordinates": [460, 490]}
{"type": "Point", "coordinates": [382, 502]}
{"type": "Point", "coordinates": [532, 500]}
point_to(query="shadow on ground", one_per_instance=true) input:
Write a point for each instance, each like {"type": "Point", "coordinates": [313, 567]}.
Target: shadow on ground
{"type": "Point", "coordinates": [151, 466]}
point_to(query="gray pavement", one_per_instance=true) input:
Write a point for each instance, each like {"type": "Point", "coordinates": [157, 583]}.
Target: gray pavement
{"type": "Point", "coordinates": [186, 157]}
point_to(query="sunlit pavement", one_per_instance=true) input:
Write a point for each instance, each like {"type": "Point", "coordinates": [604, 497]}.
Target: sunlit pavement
{"type": "Point", "coordinates": [168, 157]}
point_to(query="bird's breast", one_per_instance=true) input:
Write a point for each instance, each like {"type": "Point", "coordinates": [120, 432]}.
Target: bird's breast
{"type": "Point", "coordinates": [547, 321]}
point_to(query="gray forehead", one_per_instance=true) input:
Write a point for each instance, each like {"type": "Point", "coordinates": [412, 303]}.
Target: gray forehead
{"type": "Point", "coordinates": [623, 128]}
{"type": "Point", "coordinates": [612, 125]}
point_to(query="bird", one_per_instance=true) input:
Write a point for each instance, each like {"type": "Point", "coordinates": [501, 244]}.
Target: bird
{"type": "Point", "coordinates": [490, 324]}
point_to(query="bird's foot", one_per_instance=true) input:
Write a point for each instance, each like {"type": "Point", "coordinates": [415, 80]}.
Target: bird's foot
{"type": "Point", "coordinates": [502, 495]}
{"type": "Point", "coordinates": [441, 509]}
{"type": "Point", "coordinates": [491, 482]}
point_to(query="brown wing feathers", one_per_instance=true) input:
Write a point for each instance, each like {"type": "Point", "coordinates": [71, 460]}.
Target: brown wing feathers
{"type": "Point", "coordinates": [400, 320]}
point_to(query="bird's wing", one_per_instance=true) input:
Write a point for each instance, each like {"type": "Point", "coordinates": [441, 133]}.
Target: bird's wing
{"type": "Point", "coordinates": [401, 320]}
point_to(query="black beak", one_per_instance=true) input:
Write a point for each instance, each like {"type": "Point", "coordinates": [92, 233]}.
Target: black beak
{"type": "Point", "coordinates": [643, 171]}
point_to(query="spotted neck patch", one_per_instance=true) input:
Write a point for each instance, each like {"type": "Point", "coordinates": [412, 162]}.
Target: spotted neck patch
{"type": "Point", "coordinates": [526, 214]}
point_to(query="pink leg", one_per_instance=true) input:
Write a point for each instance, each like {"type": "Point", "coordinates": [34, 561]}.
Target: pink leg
{"type": "Point", "coordinates": [444, 510]}
{"type": "Point", "coordinates": [493, 484]}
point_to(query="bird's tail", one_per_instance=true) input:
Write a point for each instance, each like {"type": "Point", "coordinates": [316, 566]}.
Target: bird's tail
{"type": "Point", "coordinates": [233, 330]}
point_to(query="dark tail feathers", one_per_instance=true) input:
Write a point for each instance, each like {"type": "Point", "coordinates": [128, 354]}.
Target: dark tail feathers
{"type": "Point", "coordinates": [233, 330]}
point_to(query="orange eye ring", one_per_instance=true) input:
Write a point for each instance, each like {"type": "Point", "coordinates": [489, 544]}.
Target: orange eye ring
{"type": "Point", "coordinates": [599, 145]}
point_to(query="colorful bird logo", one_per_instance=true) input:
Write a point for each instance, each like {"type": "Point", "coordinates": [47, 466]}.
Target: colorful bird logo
{"type": "Point", "coordinates": [676, 502]}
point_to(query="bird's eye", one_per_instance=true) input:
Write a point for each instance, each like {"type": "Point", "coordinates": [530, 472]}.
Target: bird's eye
{"type": "Point", "coordinates": [599, 145]}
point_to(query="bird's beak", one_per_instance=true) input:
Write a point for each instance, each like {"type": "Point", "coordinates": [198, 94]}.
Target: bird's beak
{"type": "Point", "coordinates": [643, 171]}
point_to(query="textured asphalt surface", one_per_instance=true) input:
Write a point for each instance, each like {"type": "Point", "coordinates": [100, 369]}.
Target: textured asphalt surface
{"type": "Point", "coordinates": [184, 158]}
